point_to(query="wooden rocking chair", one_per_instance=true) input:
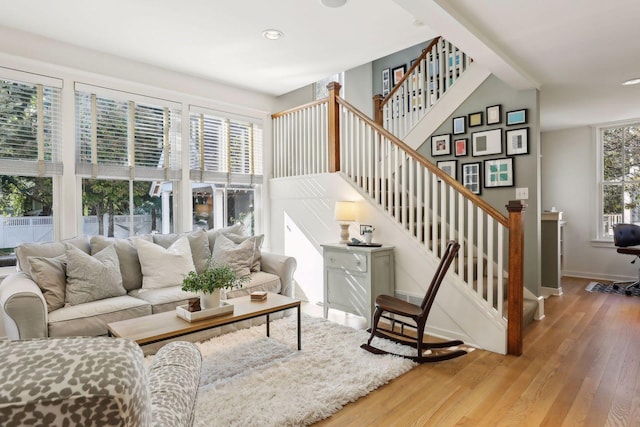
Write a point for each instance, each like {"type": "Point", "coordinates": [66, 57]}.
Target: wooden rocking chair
{"type": "Point", "coordinates": [419, 314]}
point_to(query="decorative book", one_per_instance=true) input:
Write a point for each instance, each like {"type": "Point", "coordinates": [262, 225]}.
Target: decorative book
{"type": "Point", "coordinates": [258, 296]}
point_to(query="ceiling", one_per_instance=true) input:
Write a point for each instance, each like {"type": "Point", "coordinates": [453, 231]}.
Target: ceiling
{"type": "Point", "coordinates": [577, 52]}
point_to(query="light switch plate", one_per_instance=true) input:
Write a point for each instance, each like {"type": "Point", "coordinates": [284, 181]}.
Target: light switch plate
{"type": "Point", "coordinates": [522, 193]}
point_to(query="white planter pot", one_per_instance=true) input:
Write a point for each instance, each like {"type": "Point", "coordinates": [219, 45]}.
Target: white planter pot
{"type": "Point", "coordinates": [208, 301]}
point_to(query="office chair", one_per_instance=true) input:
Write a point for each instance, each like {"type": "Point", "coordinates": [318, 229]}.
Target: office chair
{"type": "Point", "coordinates": [624, 236]}
{"type": "Point", "coordinates": [418, 314]}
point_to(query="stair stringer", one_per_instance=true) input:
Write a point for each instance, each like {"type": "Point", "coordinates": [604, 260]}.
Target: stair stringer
{"type": "Point", "coordinates": [457, 313]}
{"type": "Point", "coordinates": [468, 82]}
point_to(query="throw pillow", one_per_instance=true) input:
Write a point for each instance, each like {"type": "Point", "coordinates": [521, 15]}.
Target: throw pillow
{"type": "Point", "coordinates": [257, 255]}
{"type": "Point", "coordinates": [48, 250]}
{"type": "Point", "coordinates": [127, 257]}
{"type": "Point", "coordinates": [164, 267]}
{"type": "Point", "coordinates": [238, 229]}
{"type": "Point", "coordinates": [50, 274]}
{"type": "Point", "coordinates": [91, 278]}
{"type": "Point", "coordinates": [198, 241]}
{"type": "Point", "coordinates": [237, 256]}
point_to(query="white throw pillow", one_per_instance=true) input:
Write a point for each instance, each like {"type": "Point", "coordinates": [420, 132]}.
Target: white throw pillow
{"type": "Point", "coordinates": [164, 267]}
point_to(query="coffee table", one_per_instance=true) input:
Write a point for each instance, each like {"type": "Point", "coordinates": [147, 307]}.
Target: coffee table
{"type": "Point", "coordinates": [162, 326]}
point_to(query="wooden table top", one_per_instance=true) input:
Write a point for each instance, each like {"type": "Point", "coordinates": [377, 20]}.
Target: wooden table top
{"type": "Point", "coordinates": [160, 326]}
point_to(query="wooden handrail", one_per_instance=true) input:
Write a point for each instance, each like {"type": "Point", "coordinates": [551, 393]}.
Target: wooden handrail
{"type": "Point", "coordinates": [301, 107]}
{"type": "Point", "coordinates": [425, 52]}
{"type": "Point", "coordinates": [481, 203]}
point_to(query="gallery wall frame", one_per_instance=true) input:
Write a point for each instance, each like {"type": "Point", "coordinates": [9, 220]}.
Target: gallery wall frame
{"type": "Point", "coordinates": [397, 73]}
{"type": "Point", "coordinates": [499, 173]}
{"type": "Point", "coordinates": [441, 145]}
{"type": "Point", "coordinates": [517, 117]}
{"type": "Point", "coordinates": [459, 125]}
{"type": "Point", "coordinates": [475, 119]}
{"type": "Point", "coordinates": [386, 80]}
{"type": "Point", "coordinates": [486, 143]}
{"type": "Point", "coordinates": [450, 167]}
{"type": "Point", "coordinates": [472, 176]}
{"type": "Point", "coordinates": [460, 147]}
{"type": "Point", "coordinates": [494, 115]}
{"type": "Point", "coordinates": [517, 141]}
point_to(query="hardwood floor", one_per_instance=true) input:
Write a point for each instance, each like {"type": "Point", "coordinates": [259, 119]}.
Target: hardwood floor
{"type": "Point", "coordinates": [580, 367]}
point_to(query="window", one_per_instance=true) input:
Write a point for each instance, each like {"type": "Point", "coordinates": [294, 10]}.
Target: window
{"type": "Point", "coordinates": [29, 143]}
{"type": "Point", "coordinates": [321, 85]}
{"type": "Point", "coordinates": [128, 151]}
{"type": "Point", "coordinates": [225, 165]}
{"type": "Point", "coordinates": [620, 177]}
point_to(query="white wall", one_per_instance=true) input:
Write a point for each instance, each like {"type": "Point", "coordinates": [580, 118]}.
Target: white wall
{"type": "Point", "coordinates": [569, 182]}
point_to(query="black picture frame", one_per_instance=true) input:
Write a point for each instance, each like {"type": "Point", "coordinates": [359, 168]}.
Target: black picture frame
{"type": "Point", "coordinates": [450, 167]}
{"type": "Point", "coordinates": [517, 117]}
{"type": "Point", "coordinates": [441, 145]}
{"type": "Point", "coordinates": [386, 81]}
{"type": "Point", "coordinates": [471, 176]}
{"type": "Point", "coordinates": [517, 141]}
{"type": "Point", "coordinates": [475, 119]}
{"type": "Point", "coordinates": [486, 142]}
{"type": "Point", "coordinates": [494, 114]}
{"type": "Point", "coordinates": [460, 147]}
{"type": "Point", "coordinates": [459, 125]}
{"type": "Point", "coordinates": [397, 73]}
{"type": "Point", "coordinates": [499, 173]}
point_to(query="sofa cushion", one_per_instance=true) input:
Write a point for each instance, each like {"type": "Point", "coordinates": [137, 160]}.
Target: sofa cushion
{"type": "Point", "coordinates": [237, 229]}
{"type": "Point", "coordinates": [259, 281]}
{"type": "Point", "coordinates": [164, 299]}
{"type": "Point", "coordinates": [127, 257]}
{"type": "Point", "coordinates": [91, 278]}
{"type": "Point", "coordinates": [50, 274]}
{"type": "Point", "coordinates": [198, 241]}
{"type": "Point", "coordinates": [48, 250]}
{"type": "Point", "coordinates": [237, 256]}
{"type": "Point", "coordinates": [164, 267]}
{"type": "Point", "coordinates": [91, 319]}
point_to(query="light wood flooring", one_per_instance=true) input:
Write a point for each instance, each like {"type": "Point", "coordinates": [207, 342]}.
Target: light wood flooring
{"type": "Point", "coordinates": [580, 367]}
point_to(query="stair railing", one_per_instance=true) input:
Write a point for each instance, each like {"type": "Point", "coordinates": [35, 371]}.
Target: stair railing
{"type": "Point", "coordinates": [434, 71]}
{"type": "Point", "coordinates": [331, 135]}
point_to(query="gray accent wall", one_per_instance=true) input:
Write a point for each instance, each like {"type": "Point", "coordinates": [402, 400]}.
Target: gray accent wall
{"type": "Point", "coordinates": [527, 166]}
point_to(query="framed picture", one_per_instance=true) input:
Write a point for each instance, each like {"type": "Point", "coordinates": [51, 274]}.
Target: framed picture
{"type": "Point", "coordinates": [460, 147]}
{"type": "Point", "coordinates": [441, 145]}
{"type": "Point", "coordinates": [475, 119]}
{"type": "Point", "coordinates": [498, 172]}
{"type": "Point", "coordinates": [517, 117]}
{"type": "Point", "coordinates": [449, 167]}
{"type": "Point", "coordinates": [459, 125]}
{"type": "Point", "coordinates": [517, 141]}
{"type": "Point", "coordinates": [386, 79]}
{"type": "Point", "coordinates": [398, 73]}
{"type": "Point", "coordinates": [471, 177]}
{"type": "Point", "coordinates": [494, 115]}
{"type": "Point", "coordinates": [486, 142]}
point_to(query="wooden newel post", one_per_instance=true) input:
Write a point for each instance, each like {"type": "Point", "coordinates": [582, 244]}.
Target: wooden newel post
{"type": "Point", "coordinates": [515, 290]}
{"type": "Point", "coordinates": [377, 108]}
{"type": "Point", "coordinates": [334, 127]}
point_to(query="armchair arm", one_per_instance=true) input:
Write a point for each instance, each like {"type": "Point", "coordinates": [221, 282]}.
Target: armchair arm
{"type": "Point", "coordinates": [283, 266]}
{"type": "Point", "coordinates": [23, 307]}
{"type": "Point", "coordinates": [174, 377]}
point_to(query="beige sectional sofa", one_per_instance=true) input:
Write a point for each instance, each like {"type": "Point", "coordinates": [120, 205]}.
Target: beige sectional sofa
{"type": "Point", "coordinates": [34, 305]}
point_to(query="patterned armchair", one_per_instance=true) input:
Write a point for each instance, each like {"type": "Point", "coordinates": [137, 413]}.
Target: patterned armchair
{"type": "Point", "coordinates": [97, 382]}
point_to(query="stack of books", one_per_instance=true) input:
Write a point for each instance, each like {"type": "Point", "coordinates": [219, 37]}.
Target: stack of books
{"type": "Point", "coordinates": [258, 295]}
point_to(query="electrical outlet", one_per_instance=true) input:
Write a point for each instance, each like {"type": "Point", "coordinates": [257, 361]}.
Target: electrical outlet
{"type": "Point", "coordinates": [522, 193]}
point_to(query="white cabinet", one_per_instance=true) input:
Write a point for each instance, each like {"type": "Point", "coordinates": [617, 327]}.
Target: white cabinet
{"type": "Point", "coordinates": [354, 276]}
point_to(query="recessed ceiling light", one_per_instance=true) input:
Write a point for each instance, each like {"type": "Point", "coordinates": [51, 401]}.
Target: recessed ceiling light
{"type": "Point", "coordinates": [631, 82]}
{"type": "Point", "coordinates": [272, 34]}
{"type": "Point", "coordinates": [333, 3]}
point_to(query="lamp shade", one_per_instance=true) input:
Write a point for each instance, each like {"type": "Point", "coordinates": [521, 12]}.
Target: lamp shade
{"type": "Point", "coordinates": [345, 211]}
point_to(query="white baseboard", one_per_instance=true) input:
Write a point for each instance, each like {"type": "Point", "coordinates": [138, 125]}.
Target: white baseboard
{"type": "Point", "coordinates": [547, 292]}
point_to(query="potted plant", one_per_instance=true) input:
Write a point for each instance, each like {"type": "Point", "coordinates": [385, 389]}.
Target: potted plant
{"type": "Point", "coordinates": [209, 283]}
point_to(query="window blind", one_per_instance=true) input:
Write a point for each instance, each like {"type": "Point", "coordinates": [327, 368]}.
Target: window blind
{"type": "Point", "coordinates": [224, 148]}
{"type": "Point", "coordinates": [124, 138]}
{"type": "Point", "coordinates": [29, 125]}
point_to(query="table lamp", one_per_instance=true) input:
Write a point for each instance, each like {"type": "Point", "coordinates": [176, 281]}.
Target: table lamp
{"type": "Point", "coordinates": [345, 212]}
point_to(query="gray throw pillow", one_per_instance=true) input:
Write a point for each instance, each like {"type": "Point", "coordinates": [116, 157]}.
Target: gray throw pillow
{"type": "Point", "coordinates": [198, 241]}
{"type": "Point", "coordinates": [257, 254]}
{"type": "Point", "coordinates": [237, 256]}
{"type": "Point", "coordinates": [48, 250]}
{"type": "Point", "coordinates": [50, 274]}
{"type": "Point", "coordinates": [127, 257]}
{"type": "Point", "coordinates": [91, 278]}
{"type": "Point", "coordinates": [238, 229]}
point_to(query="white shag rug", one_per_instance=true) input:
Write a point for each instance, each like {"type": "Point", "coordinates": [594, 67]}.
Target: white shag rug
{"type": "Point", "coordinates": [251, 380]}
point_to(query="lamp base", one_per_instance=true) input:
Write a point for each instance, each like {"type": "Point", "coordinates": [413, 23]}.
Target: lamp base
{"type": "Point", "coordinates": [344, 234]}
